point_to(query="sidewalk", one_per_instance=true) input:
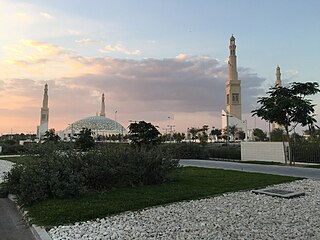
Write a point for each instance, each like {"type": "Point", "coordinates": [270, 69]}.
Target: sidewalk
{"type": "Point", "coordinates": [12, 225]}
{"type": "Point", "coordinates": [311, 173]}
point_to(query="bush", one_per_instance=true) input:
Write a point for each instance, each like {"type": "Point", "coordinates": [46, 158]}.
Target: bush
{"type": "Point", "coordinates": [68, 173]}
{"type": "Point", "coordinates": [10, 149]}
{"type": "Point", "coordinates": [196, 151]}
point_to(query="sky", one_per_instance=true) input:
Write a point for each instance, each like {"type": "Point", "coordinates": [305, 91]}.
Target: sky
{"type": "Point", "coordinates": [164, 62]}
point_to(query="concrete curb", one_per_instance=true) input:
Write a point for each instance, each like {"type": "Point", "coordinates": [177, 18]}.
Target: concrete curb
{"type": "Point", "coordinates": [38, 232]}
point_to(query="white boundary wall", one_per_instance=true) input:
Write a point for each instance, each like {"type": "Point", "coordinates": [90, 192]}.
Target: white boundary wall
{"type": "Point", "coordinates": [264, 151]}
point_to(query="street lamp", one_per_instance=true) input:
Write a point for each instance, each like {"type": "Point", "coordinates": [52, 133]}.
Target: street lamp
{"type": "Point", "coordinates": [227, 115]}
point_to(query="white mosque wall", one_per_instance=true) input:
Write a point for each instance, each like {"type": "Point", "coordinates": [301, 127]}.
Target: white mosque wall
{"type": "Point", "coordinates": [264, 151]}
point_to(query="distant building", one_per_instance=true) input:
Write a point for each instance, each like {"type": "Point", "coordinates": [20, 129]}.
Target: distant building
{"type": "Point", "coordinates": [232, 116]}
{"type": "Point", "coordinates": [100, 125]}
{"type": "Point", "coordinates": [277, 84]}
{"type": "Point", "coordinates": [233, 88]}
{"type": "Point", "coordinates": [44, 115]}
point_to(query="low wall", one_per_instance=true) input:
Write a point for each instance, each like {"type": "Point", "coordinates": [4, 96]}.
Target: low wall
{"type": "Point", "coordinates": [264, 151]}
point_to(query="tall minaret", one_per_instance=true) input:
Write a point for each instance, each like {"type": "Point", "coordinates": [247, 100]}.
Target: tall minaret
{"type": "Point", "coordinates": [277, 84]}
{"type": "Point", "coordinates": [278, 77]}
{"type": "Point", "coordinates": [44, 114]}
{"type": "Point", "coordinates": [103, 107]}
{"type": "Point", "coordinates": [233, 89]}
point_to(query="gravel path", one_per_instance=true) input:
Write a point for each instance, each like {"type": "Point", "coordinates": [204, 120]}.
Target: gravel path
{"type": "Point", "coordinates": [5, 166]}
{"type": "Point", "coordinates": [239, 215]}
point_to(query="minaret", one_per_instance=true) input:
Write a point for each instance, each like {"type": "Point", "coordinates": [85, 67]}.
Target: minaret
{"type": "Point", "coordinates": [278, 77]}
{"type": "Point", "coordinates": [103, 107]}
{"type": "Point", "coordinates": [233, 88]}
{"type": "Point", "coordinates": [44, 114]}
{"type": "Point", "coordinates": [277, 84]}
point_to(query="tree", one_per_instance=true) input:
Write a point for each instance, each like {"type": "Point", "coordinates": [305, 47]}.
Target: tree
{"type": "Point", "coordinates": [288, 106]}
{"type": "Point", "coordinates": [216, 132]}
{"type": "Point", "coordinates": [85, 140]}
{"type": "Point", "coordinates": [178, 137]}
{"type": "Point", "coordinates": [203, 136]}
{"type": "Point", "coordinates": [277, 135]}
{"type": "Point", "coordinates": [51, 136]}
{"type": "Point", "coordinates": [194, 131]}
{"type": "Point", "coordinates": [144, 134]}
{"type": "Point", "coordinates": [232, 131]}
{"type": "Point", "coordinates": [240, 135]}
{"type": "Point", "coordinates": [259, 134]}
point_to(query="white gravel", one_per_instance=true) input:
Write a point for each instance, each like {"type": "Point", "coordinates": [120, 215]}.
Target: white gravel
{"type": "Point", "coordinates": [5, 166]}
{"type": "Point", "coordinates": [239, 215]}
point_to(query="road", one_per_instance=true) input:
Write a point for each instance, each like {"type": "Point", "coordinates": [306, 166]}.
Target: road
{"type": "Point", "coordinates": [303, 172]}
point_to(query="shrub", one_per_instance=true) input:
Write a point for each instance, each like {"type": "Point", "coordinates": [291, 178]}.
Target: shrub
{"type": "Point", "coordinates": [59, 174]}
{"type": "Point", "coordinates": [9, 149]}
{"type": "Point", "coordinates": [196, 151]}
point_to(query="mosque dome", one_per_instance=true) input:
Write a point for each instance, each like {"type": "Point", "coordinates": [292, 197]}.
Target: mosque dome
{"type": "Point", "coordinates": [98, 124]}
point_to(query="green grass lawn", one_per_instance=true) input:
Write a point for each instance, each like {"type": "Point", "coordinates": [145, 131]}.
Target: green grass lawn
{"type": "Point", "coordinates": [19, 159]}
{"type": "Point", "coordinates": [185, 184]}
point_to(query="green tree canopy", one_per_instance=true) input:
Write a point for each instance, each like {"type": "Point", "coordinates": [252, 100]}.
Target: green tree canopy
{"type": "Point", "coordinates": [259, 134]}
{"type": "Point", "coordinates": [277, 135]}
{"type": "Point", "coordinates": [51, 136]}
{"type": "Point", "coordinates": [288, 106]}
{"type": "Point", "coordinates": [216, 132]}
{"type": "Point", "coordinates": [85, 140]}
{"type": "Point", "coordinates": [144, 134]}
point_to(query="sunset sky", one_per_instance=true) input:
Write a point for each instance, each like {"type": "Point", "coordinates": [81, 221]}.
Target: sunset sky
{"type": "Point", "coordinates": [158, 61]}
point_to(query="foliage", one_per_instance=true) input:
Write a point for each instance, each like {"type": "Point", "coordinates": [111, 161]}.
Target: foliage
{"type": "Point", "coordinates": [10, 149]}
{"type": "Point", "coordinates": [277, 135]}
{"type": "Point", "coordinates": [216, 132]}
{"type": "Point", "coordinates": [85, 140]}
{"type": "Point", "coordinates": [240, 135]}
{"type": "Point", "coordinates": [288, 106]}
{"type": "Point", "coordinates": [202, 135]}
{"type": "Point", "coordinates": [197, 151]}
{"type": "Point", "coordinates": [178, 137]}
{"type": "Point", "coordinates": [259, 134]}
{"type": "Point", "coordinates": [232, 131]}
{"type": "Point", "coordinates": [186, 184]}
{"type": "Point", "coordinates": [143, 134]}
{"type": "Point", "coordinates": [313, 134]}
{"type": "Point", "coordinates": [51, 136]}
{"type": "Point", "coordinates": [193, 131]}
{"type": "Point", "coordinates": [68, 173]}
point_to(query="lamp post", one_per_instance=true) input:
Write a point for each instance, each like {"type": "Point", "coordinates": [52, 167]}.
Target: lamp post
{"type": "Point", "coordinates": [227, 115]}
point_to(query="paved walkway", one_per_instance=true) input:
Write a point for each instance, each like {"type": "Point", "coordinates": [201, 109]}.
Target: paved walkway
{"type": "Point", "coordinates": [312, 173]}
{"type": "Point", "coordinates": [12, 226]}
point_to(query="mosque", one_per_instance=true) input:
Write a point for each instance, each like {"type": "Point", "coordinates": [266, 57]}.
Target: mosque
{"type": "Point", "coordinates": [100, 124]}
{"type": "Point", "coordinates": [232, 116]}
